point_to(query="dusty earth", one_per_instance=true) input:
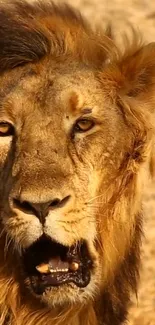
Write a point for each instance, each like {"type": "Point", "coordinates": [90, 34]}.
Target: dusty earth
{"type": "Point", "coordinates": [141, 13]}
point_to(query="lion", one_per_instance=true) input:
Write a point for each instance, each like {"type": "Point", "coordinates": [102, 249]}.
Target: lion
{"type": "Point", "coordinates": [76, 141]}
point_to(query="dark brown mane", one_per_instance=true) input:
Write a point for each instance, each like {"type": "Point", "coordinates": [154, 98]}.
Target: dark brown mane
{"type": "Point", "coordinates": [21, 40]}
{"type": "Point", "coordinates": [30, 31]}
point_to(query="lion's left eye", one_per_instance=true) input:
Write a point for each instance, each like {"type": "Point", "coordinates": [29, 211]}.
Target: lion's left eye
{"type": "Point", "coordinates": [6, 129]}
{"type": "Point", "coordinates": [83, 125]}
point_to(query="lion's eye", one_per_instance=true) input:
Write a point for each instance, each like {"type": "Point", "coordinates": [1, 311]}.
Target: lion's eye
{"type": "Point", "coordinates": [83, 125]}
{"type": "Point", "coordinates": [6, 129]}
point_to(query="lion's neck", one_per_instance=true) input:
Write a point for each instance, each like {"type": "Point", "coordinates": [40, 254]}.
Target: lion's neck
{"type": "Point", "coordinates": [22, 315]}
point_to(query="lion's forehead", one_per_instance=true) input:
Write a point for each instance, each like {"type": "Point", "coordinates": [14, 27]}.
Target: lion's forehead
{"type": "Point", "coordinates": [50, 91]}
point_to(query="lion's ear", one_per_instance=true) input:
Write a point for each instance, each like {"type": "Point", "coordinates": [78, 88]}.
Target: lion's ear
{"type": "Point", "coordinates": [138, 71]}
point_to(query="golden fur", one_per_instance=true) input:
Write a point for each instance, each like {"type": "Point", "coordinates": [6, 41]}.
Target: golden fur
{"type": "Point", "coordinates": [53, 67]}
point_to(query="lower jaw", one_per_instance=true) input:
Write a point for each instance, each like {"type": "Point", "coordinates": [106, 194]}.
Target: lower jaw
{"type": "Point", "coordinates": [39, 287]}
{"type": "Point", "coordinates": [62, 296]}
{"type": "Point", "coordinates": [67, 294]}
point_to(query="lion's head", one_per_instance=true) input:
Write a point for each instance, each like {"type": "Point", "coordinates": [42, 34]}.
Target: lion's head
{"type": "Point", "coordinates": [75, 143]}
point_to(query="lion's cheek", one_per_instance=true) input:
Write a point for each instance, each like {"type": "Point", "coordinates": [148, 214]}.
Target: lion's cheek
{"type": "Point", "coordinates": [23, 229]}
{"type": "Point", "coordinates": [5, 144]}
{"type": "Point", "coordinates": [71, 228]}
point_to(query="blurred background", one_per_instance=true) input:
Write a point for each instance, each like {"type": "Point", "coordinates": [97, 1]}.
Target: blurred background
{"type": "Point", "coordinates": [141, 13]}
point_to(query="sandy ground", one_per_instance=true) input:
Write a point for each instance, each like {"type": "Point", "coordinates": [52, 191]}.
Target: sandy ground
{"type": "Point", "coordinates": [141, 13]}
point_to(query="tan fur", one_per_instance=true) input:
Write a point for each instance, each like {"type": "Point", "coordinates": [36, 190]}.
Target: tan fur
{"type": "Point", "coordinates": [54, 69]}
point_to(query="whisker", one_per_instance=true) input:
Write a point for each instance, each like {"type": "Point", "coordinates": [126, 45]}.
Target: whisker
{"type": "Point", "coordinates": [95, 197]}
{"type": "Point", "coordinates": [8, 241]}
{"type": "Point", "coordinates": [113, 220]}
{"type": "Point", "coordinates": [2, 232]}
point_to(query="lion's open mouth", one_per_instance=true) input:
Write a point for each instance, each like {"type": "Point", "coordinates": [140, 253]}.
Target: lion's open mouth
{"type": "Point", "coordinates": [49, 264]}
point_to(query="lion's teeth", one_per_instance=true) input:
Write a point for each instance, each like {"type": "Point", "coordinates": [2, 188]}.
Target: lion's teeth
{"type": "Point", "coordinates": [58, 270]}
{"type": "Point", "coordinates": [74, 266]}
{"type": "Point", "coordinates": [43, 268]}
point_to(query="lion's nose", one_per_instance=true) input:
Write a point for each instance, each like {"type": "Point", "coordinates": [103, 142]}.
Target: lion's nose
{"type": "Point", "coordinates": [40, 210]}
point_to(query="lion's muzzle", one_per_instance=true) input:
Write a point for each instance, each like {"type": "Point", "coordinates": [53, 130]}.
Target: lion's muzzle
{"type": "Point", "coordinates": [49, 264]}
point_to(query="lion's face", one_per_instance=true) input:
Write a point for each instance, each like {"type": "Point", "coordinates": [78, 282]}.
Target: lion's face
{"type": "Point", "coordinates": [76, 120]}
{"type": "Point", "coordinates": [62, 142]}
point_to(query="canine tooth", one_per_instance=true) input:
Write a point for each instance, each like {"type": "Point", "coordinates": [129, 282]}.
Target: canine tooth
{"type": "Point", "coordinates": [43, 268]}
{"type": "Point", "coordinates": [74, 266]}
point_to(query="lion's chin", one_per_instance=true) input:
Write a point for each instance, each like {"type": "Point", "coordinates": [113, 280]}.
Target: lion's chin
{"type": "Point", "coordinates": [51, 269]}
{"type": "Point", "coordinates": [62, 296]}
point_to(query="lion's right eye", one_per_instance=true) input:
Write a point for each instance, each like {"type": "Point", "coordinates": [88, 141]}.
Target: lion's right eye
{"type": "Point", "coordinates": [83, 125]}
{"type": "Point", "coordinates": [6, 129]}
